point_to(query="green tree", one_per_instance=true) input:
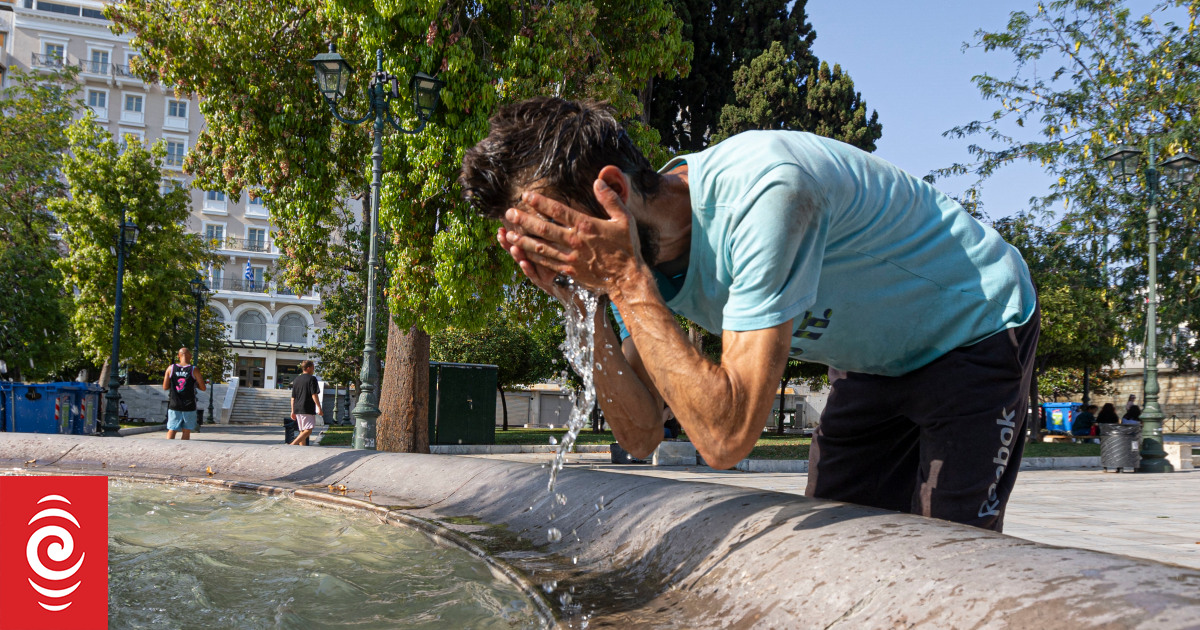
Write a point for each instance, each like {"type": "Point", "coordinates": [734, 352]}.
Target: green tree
{"type": "Point", "coordinates": [771, 92]}
{"type": "Point", "coordinates": [35, 110]}
{"type": "Point", "coordinates": [267, 126]}
{"type": "Point", "coordinates": [1090, 74]}
{"type": "Point", "coordinates": [725, 35]}
{"type": "Point", "coordinates": [103, 180]}
{"type": "Point", "coordinates": [507, 345]}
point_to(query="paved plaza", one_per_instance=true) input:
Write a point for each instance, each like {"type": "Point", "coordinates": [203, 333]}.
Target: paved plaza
{"type": "Point", "coordinates": [1146, 516]}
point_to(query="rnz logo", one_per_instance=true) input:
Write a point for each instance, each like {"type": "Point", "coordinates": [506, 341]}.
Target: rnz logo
{"type": "Point", "coordinates": [54, 552]}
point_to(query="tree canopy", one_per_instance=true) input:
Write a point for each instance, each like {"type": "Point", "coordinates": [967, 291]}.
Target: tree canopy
{"type": "Point", "coordinates": [35, 111]}
{"type": "Point", "coordinates": [1089, 75]}
{"type": "Point", "coordinates": [104, 180]}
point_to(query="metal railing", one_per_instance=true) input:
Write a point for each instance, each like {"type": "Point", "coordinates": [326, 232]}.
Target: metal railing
{"type": "Point", "coordinates": [246, 244]}
{"type": "Point", "coordinates": [1175, 424]}
{"type": "Point", "coordinates": [241, 284]}
{"type": "Point", "coordinates": [122, 72]}
{"type": "Point", "coordinates": [48, 61]}
{"type": "Point", "coordinates": [94, 67]}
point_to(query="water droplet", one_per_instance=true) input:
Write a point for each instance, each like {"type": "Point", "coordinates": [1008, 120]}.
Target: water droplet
{"type": "Point", "coordinates": [550, 586]}
{"type": "Point", "coordinates": [599, 367]}
{"type": "Point", "coordinates": [619, 372]}
{"type": "Point", "coordinates": [553, 535]}
{"type": "Point", "coordinates": [552, 441]}
{"type": "Point", "coordinates": [574, 560]}
{"type": "Point", "coordinates": [608, 346]}
{"type": "Point", "coordinates": [561, 498]}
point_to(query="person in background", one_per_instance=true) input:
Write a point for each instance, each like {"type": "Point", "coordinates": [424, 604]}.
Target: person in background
{"type": "Point", "coordinates": [306, 402]}
{"type": "Point", "coordinates": [1085, 421]}
{"type": "Point", "coordinates": [181, 381]}
{"type": "Point", "coordinates": [1132, 402]}
{"type": "Point", "coordinates": [124, 411]}
{"type": "Point", "coordinates": [671, 426]}
{"type": "Point", "coordinates": [1133, 416]}
{"type": "Point", "coordinates": [1108, 415]}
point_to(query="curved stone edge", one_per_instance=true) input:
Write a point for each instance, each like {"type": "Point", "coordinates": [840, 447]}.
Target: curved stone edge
{"type": "Point", "coordinates": [666, 553]}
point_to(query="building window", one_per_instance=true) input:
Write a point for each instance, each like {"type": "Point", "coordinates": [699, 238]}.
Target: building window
{"type": "Point", "coordinates": [256, 240]}
{"type": "Point", "coordinates": [293, 329]}
{"type": "Point", "coordinates": [53, 56]}
{"type": "Point", "coordinates": [252, 326]}
{"type": "Point", "coordinates": [94, 14]}
{"type": "Point", "coordinates": [215, 235]}
{"type": "Point", "coordinates": [98, 101]}
{"type": "Point", "coordinates": [170, 185]}
{"type": "Point", "coordinates": [175, 152]}
{"type": "Point", "coordinates": [127, 136]}
{"type": "Point", "coordinates": [132, 111]}
{"type": "Point", "coordinates": [98, 64]}
{"type": "Point", "coordinates": [216, 277]}
{"type": "Point", "coordinates": [177, 109]}
{"type": "Point", "coordinates": [54, 7]}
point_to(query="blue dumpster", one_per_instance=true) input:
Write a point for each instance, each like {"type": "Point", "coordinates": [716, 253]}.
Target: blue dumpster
{"type": "Point", "coordinates": [50, 407]}
{"type": "Point", "coordinates": [1060, 417]}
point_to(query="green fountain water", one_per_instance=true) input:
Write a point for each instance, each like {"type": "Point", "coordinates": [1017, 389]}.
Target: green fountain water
{"type": "Point", "coordinates": [191, 557]}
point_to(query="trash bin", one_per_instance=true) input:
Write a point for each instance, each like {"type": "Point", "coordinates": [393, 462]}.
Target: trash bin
{"type": "Point", "coordinates": [84, 406]}
{"type": "Point", "coordinates": [290, 431]}
{"type": "Point", "coordinates": [1120, 446]}
{"type": "Point", "coordinates": [36, 408]}
{"type": "Point", "coordinates": [1060, 417]}
{"type": "Point", "coordinates": [199, 416]}
{"type": "Point", "coordinates": [619, 455]}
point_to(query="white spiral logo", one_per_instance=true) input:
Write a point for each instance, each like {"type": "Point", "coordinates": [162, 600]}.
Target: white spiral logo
{"type": "Point", "coordinates": [59, 551]}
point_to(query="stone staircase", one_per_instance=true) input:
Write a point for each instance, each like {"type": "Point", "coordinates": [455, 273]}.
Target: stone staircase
{"type": "Point", "coordinates": [261, 406]}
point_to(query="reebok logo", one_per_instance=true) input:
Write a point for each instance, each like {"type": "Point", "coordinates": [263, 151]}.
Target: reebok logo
{"type": "Point", "coordinates": [991, 506]}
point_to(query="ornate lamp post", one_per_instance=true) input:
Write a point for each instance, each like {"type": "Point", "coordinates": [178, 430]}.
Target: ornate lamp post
{"type": "Point", "coordinates": [126, 235]}
{"type": "Point", "coordinates": [1180, 169]}
{"type": "Point", "coordinates": [199, 290]}
{"type": "Point", "coordinates": [333, 76]}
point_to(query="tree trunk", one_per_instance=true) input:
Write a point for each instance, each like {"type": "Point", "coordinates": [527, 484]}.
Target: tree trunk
{"type": "Point", "coordinates": [404, 396]}
{"type": "Point", "coordinates": [103, 382]}
{"type": "Point", "coordinates": [782, 389]}
{"type": "Point", "coordinates": [503, 405]}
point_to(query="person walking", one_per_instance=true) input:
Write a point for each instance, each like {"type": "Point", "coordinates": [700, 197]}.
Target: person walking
{"type": "Point", "coordinates": [306, 402]}
{"type": "Point", "coordinates": [181, 381]}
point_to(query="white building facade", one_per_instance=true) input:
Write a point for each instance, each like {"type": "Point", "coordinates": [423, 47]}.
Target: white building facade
{"type": "Point", "coordinates": [270, 329]}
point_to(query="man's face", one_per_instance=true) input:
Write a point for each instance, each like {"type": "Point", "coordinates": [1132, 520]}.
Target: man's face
{"type": "Point", "coordinates": [184, 356]}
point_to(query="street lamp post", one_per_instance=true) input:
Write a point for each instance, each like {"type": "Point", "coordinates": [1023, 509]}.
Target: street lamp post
{"type": "Point", "coordinates": [333, 76]}
{"type": "Point", "coordinates": [1180, 169]}
{"type": "Point", "coordinates": [199, 289]}
{"type": "Point", "coordinates": [126, 234]}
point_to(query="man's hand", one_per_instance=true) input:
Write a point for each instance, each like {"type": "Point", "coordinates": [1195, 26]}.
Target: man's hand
{"type": "Point", "coordinates": [552, 238]}
{"type": "Point", "coordinates": [293, 415]}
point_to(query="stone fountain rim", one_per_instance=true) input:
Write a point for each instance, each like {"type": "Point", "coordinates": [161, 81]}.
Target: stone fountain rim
{"type": "Point", "coordinates": [438, 533]}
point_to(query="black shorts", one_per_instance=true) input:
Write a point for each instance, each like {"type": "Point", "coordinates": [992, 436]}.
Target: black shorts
{"type": "Point", "coordinates": [943, 441]}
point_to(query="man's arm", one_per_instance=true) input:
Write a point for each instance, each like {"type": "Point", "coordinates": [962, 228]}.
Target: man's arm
{"type": "Point", "coordinates": [167, 378]}
{"type": "Point", "coordinates": [200, 385]}
{"type": "Point", "coordinates": [722, 407]}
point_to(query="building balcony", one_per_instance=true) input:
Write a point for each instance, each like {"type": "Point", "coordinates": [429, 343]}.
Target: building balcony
{"type": "Point", "coordinates": [54, 62]}
{"type": "Point", "coordinates": [246, 245]}
{"type": "Point", "coordinates": [241, 285]}
{"type": "Point", "coordinates": [95, 67]}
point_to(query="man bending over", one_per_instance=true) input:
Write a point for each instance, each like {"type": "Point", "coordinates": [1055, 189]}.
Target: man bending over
{"type": "Point", "coordinates": [788, 244]}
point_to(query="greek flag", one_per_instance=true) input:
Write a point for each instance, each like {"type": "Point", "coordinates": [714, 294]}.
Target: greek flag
{"type": "Point", "coordinates": [250, 274]}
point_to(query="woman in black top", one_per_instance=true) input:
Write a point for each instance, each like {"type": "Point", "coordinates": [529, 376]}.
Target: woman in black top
{"type": "Point", "coordinates": [1108, 414]}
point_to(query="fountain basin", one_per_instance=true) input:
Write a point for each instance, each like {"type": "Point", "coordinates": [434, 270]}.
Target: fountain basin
{"type": "Point", "coordinates": [652, 552]}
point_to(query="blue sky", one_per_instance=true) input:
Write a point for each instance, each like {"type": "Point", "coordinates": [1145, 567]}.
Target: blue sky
{"type": "Point", "coordinates": [906, 58]}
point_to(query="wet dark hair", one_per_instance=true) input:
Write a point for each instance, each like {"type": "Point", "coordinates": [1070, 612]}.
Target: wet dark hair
{"type": "Point", "coordinates": [556, 147]}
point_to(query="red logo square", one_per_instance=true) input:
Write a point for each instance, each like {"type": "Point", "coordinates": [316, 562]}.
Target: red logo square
{"type": "Point", "coordinates": [53, 553]}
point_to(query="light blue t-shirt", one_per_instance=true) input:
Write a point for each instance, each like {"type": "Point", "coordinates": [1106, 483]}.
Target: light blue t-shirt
{"type": "Point", "coordinates": [879, 271]}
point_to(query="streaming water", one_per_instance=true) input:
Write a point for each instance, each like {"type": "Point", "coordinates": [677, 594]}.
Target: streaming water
{"type": "Point", "coordinates": [579, 350]}
{"type": "Point", "coordinates": [190, 557]}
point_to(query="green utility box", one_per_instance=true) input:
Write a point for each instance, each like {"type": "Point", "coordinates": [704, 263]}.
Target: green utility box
{"type": "Point", "coordinates": [462, 403]}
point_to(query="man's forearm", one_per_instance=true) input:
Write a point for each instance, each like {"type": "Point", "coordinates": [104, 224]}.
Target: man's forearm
{"type": "Point", "coordinates": [720, 406]}
{"type": "Point", "coordinates": [630, 406]}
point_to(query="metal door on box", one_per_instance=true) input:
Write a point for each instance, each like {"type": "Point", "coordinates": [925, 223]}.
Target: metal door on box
{"type": "Point", "coordinates": [462, 403]}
